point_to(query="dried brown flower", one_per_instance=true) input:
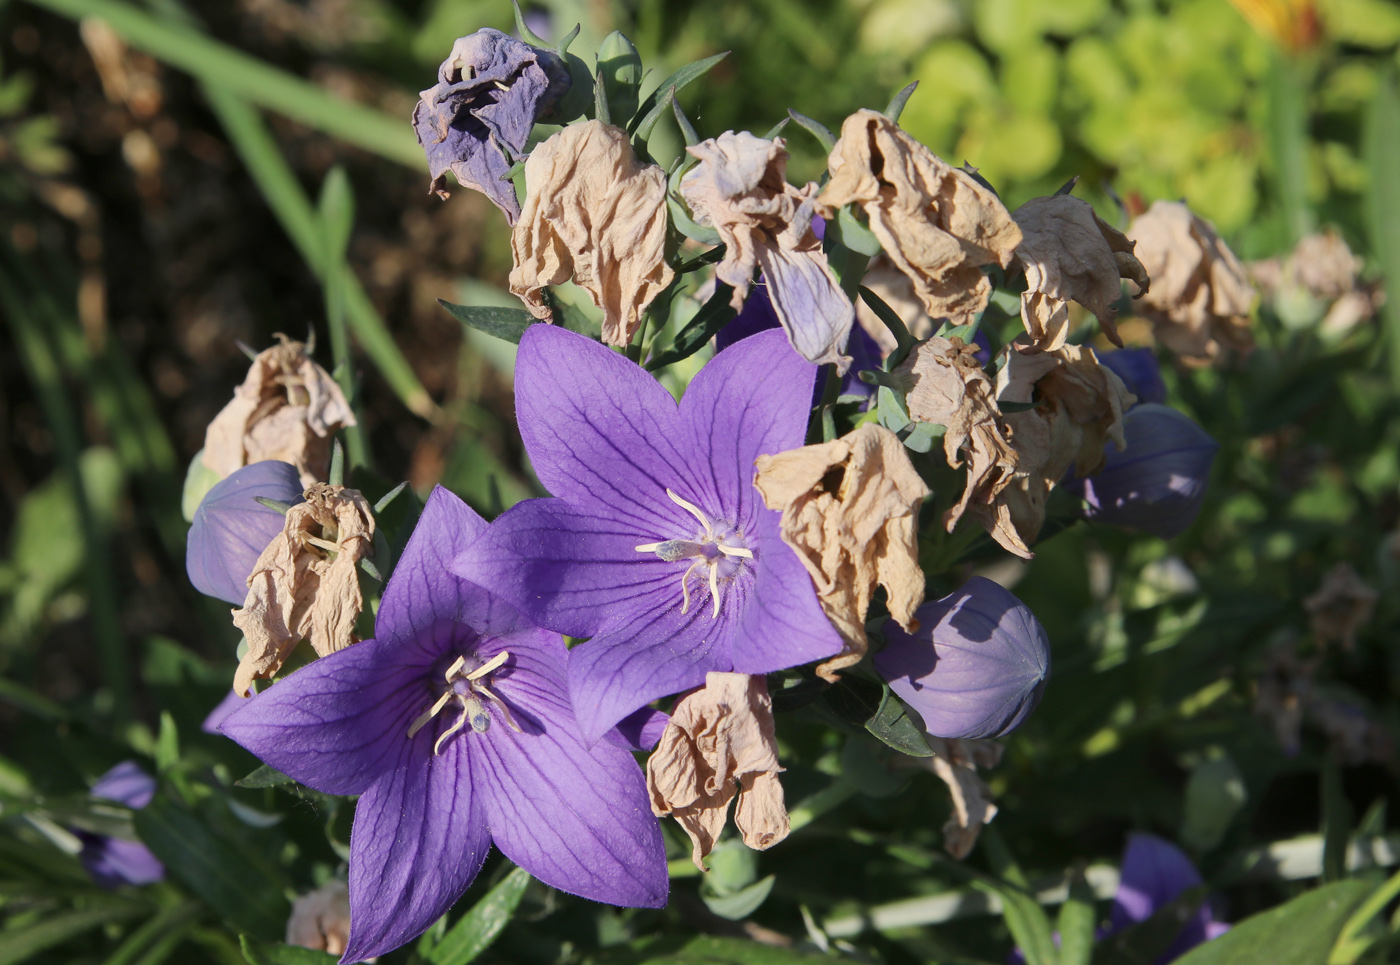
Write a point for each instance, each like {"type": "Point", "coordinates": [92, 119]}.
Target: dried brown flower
{"type": "Point", "coordinates": [1320, 267]}
{"type": "Point", "coordinates": [896, 291]}
{"type": "Point", "coordinates": [287, 409]}
{"type": "Point", "coordinates": [936, 223]}
{"type": "Point", "coordinates": [304, 586]}
{"type": "Point", "coordinates": [854, 532]}
{"type": "Point", "coordinates": [1070, 254]}
{"type": "Point", "coordinates": [320, 919]}
{"type": "Point", "coordinates": [956, 761]}
{"type": "Point", "coordinates": [596, 214]}
{"type": "Point", "coordinates": [719, 743]}
{"type": "Point", "coordinates": [1341, 606]}
{"type": "Point", "coordinates": [1201, 296]}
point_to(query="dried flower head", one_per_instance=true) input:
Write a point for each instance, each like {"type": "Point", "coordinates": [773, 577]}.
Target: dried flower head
{"type": "Point", "coordinates": [287, 409]}
{"type": "Point", "coordinates": [320, 919]}
{"type": "Point", "coordinates": [1320, 268]}
{"type": "Point", "coordinates": [937, 223]}
{"type": "Point", "coordinates": [956, 763]}
{"type": "Point", "coordinates": [304, 586]}
{"type": "Point", "coordinates": [1201, 296]}
{"type": "Point", "coordinates": [739, 187]}
{"type": "Point", "coordinates": [1341, 606]}
{"type": "Point", "coordinates": [851, 511]}
{"type": "Point", "coordinates": [596, 214]}
{"type": "Point", "coordinates": [1070, 254]}
{"type": "Point", "coordinates": [718, 744]}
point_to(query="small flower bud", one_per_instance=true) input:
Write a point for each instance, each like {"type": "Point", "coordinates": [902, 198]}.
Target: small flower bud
{"type": "Point", "coordinates": [1157, 483]}
{"type": "Point", "coordinates": [231, 528]}
{"type": "Point", "coordinates": [975, 668]}
{"type": "Point", "coordinates": [621, 68]}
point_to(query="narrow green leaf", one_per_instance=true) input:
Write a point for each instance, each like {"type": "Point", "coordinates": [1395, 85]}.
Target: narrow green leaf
{"type": "Point", "coordinates": [21, 943]}
{"type": "Point", "coordinates": [893, 322]}
{"type": "Point", "coordinates": [645, 126]}
{"type": "Point", "coordinates": [264, 776]}
{"type": "Point", "coordinates": [899, 100]}
{"type": "Point", "coordinates": [742, 903]}
{"type": "Point", "coordinates": [1351, 944]}
{"type": "Point", "coordinates": [1029, 925]}
{"type": "Point", "coordinates": [1336, 821]}
{"type": "Point", "coordinates": [336, 206]}
{"type": "Point", "coordinates": [681, 219]}
{"type": "Point", "coordinates": [815, 128]}
{"type": "Point", "coordinates": [687, 128]}
{"type": "Point", "coordinates": [600, 98]}
{"type": "Point", "coordinates": [1298, 932]}
{"type": "Point", "coordinates": [854, 235]}
{"type": "Point", "coordinates": [1149, 939]}
{"type": "Point", "coordinates": [478, 928]}
{"type": "Point", "coordinates": [143, 943]}
{"type": "Point", "coordinates": [1287, 130]}
{"type": "Point", "coordinates": [1075, 923]}
{"type": "Point", "coordinates": [503, 323]}
{"type": "Point", "coordinates": [893, 725]}
{"type": "Point", "coordinates": [713, 315]}
{"type": "Point", "coordinates": [528, 35]}
{"type": "Point", "coordinates": [677, 82]}
{"type": "Point", "coordinates": [389, 497]}
{"type": "Point", "coordinates": [275, 953]}
{"type": "Point", "coordinates": [1381, 146]}
{"type": "Point", "coordinates": [167, 743]}
{"type": "Point", "coordinates": [777, 129]}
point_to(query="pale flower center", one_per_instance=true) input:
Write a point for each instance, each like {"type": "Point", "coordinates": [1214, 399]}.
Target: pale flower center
{"type": "Point", "coordinates": [467, 686]}
{"type": "Point", "coordinates": [714, 547]}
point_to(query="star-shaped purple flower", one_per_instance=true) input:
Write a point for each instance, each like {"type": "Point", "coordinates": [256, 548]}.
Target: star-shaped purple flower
{"type": "Point", "coordinates": [490, 91]}
{"type": "Point", "coordinates": [454, 726]}
{"type": "Point", "coordinates": [656, 545]}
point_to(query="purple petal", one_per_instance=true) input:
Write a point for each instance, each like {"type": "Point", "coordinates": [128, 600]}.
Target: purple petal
{"type": "Point", "coordinates": [639, 731]}
{"type": "Point", "coordinates": [1138, 369]}
{"type": "Point", "coordinates": [783, 624]}
{"type": "Point", "coordinates": [231, 702]}
{"type": "Point", "coordinates": [113, 862]}
{"type": "Point", "coordinates": [418, 841]}
{"type": "Point", "coordinates": [756, 316]}
{"type": "Point", "coordinates": [126, 784]}
{"type": "Point", "coordinates": [813, 310]}
{"type": "Point", "coordinates": [1154, 873]}
{"type": "Point", "coordinates": [231, 528]}
{"type": "Point", "coordinates": [339, 723]}
{"type": "Point", "coordinates": [574, 816]}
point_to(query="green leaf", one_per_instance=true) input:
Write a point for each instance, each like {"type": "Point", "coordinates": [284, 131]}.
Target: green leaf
{"type": "Point", "coordinates": [1381, 146]}
{"type": "Point", "coordinates": [264, 776]}
{"type": "Point", "coordinates": [675, 83]}
{"type": "Point", "coordinates": [21, 943]}
{"type": "Point", "coordinates": [815, 128]}
{"type": "Point", "coordinates": [894, 416]}
{"type": "Point", "coordinates": [854, 235]}
{"type": "Point", "coordinates": [231, 878]}
{"type": "Point", "coordinates": [336, 207]}
{"type": "Point", "coordinates": [899, 100]}
{"type": "Point", "coordinates": [600, 98]}
{"type": "Point", "coordinates": [1029, 925]}
{"type": "Point", "coordinates": [478, 928]}
{"type": "Point", "coordinates": [649, 122]}
{"type": "Point", "coordinates": [893, 725]}
{"type": "Point", "coordinates": [713, 316]}
{"type": "Point", "coordinates": [1075, 923]}
{"type": "Point", "coordinates": [924, 436]}
{"type": "Point", "coordinates": [167, 743]}
{"type": "Point", "coordinates": [706, 950]}
{"type": "Point", "coordinates": [1147, 940]}
{"type": "Point", "coordinates": [742, 903]}
{"type": "Point", "coordinates": [1336, 821]}
{"type": "Point", "coordinates": [855, 699]}
{"type": "Point", "coordinates": [199, 479]}
{"type": "Point", "coordinates": [892, 321]}
{"type": "Point", "coordinates": [528, 35]}
{"type": "Point", "coordinates": [271, 953]}
{"type": "Point", "coordinates": [1352, 944]}
{"type": "Point", "coordinates": [503, 323]}
{"type": "Point", "coordinates": [1299, 932]}
{"type": "Point", "coordinates": [688, 226]}
{"type": "Point", "coordinates": [683, 122]}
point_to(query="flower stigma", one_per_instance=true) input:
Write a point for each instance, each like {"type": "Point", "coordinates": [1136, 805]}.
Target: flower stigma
{"type": "Point", "coordinates": [710, 548]}
{"type": "Point", "coordinates": [467, 686]}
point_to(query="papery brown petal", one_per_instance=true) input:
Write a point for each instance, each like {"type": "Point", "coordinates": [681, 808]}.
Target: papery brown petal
{"type": "Point", "coordinates": [862, 535]}
{"type": "Point", "coordinates": [936, 223]}
{"type": "Point", "coordinates": [897, 291]}
{"type": "Point", "coordinates": [956, 762]}
{"type": "Point", "coordinates": [320, 919]}
{"type": "Point", "coordinates": [596, 214]}
{"type": "Point", "coordinates": [760, 814]}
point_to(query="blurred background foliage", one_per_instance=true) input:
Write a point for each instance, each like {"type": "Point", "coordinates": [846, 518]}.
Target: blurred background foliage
{"type": "Point", "coordinates": [163, 196]}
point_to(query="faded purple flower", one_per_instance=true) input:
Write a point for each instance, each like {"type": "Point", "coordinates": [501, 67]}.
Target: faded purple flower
{"type": "Point", "coordinates": [453, 725]}
{"type": "Point", "coordinates": [231, 528]}
{"type": "Point", "coordinates": [490, 91]}
{"type": "Point", "coordinates": [977, 666]}
{"type": "Point", "coordinates": [114, 862]}
{"type": "Point", "coordinates": [657, 544]}
{"type": "Point", "coordinates": [1138, 369]}
{"type": "Point", "coordinates": [1155, 873]}
{"type": "Point", "coordinates": [1157, 483]}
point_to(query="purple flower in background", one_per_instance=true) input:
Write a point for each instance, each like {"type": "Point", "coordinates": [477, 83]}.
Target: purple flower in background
{"type": "Point", "coordinates": [656, 545]}
{"type": "Point", "coordinates": [490, 91]}
{"type": "Point", "coordinates": [231, 528]}
{"type": "Point", "coordinates": [454, 726]}
{"type": "Point", "coordinates": [1157, 483]}
{"type": "Point", "coordinates": [1138, 369]}
{"type": "Point", "coordinates": [114, 862]}
{"type": "Point", "coordinates": [1155, 873]}
{"type": "Point", "coordinates": [977, 666]}
{"type": "Point", "coordinates": [983, 355]}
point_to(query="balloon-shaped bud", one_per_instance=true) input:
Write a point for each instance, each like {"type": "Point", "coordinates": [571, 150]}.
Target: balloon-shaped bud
{"type": "Point", "coordinates": [1138, 369]}
{"type": "Point", "coordinates": [231, 528]}
{"type": "Point", "coordinates": [1157, 483]}
{"type": "Point", "coordinates": [977, 665]}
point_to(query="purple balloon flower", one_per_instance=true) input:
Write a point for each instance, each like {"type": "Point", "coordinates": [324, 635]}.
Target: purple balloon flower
{"type": "Point", "coordinates": [490, 91]}
{"type": "Point", "coordinates": [977, 666]}
{"type": "Point", "coordinates": [1155, 873]}
{"type": "Point", "coordinates": [1138, 369]}
{"type": "Point", "coordinates": [1157, 483]}
{"type": "Point", "coordinates": [657, 544]}
{"type": "Point", "coordinates": [114, 862]}
{"type": "Point", "coordinates": [454, 726]}
{"type": "Point", "coordinates": [231, 528]}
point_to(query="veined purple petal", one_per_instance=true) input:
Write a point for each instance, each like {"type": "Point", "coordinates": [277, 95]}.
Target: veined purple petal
{"type": "Point", "coordinates": [574, 816]}
{"type": "Point", "coordinates": [126, 784]}
{"type": "Point", "coordinates": [1138, 369]}
{"type": "Point", "coordinates": [639, 731]}
{"type": "Point", "coordinates": [341, 722]}
{"type": "Point", "coordinates": [215, 719]}
{"type": "Point", "coordinates": [977, 665]}
{"type": "Point", "coordinates": [418, 841]}
{"type": "Point", "coordinates": [114, 862]}
{"type": "Point", "coordinates": [783, 624]}
{"type": "Point", "coordinates": [231, 528]}
{"type": "Point", "coordinates": [1155, 873]}
{"type": "Point", "coordinates": [813, 310]}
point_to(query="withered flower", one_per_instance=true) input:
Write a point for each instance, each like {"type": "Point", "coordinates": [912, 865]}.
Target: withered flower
{"type": "Point", "coordinates": [720, 743]}
{"type": "Point", "coordinates": [936, 222]}
{"type": "Point", "coordinates": [304, 586]}
{"type": "Point", "coordinates": [956, 762]}
{"type": "Point", "coordinates": [1320, 267]}
{"type": "Point", "coordinates": [287, 409]}
{"type": "Point", "coordinates": [1201, 296]}
{"type": "Point", "coordinates": [948, 387]}
{"type": "Point", "coordinates": [1341, 606]}
{"type": "Point", "coordinates": [851, 511]}
{"type": "Point", "coordinates": [897, 291]}
{"type": "Point", "coordinates": [739, 187]}
{"type": "Point", "coordinates": [1070, 254]}
{"type": "Point", "coordinates": [320, 919]}
{"type": "Point", "coordinates": [596, 214]}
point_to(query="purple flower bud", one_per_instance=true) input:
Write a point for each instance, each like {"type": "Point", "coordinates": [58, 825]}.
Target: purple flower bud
{"type": "Point", "coordinates": [114, 862]}
{"type": "Point", "coordinates": [231, 528]}
{"type": "Point", "coordinates": [983, 355]}
{"type": "Point", "coordinates": [1138, 369]}
{"type": "Point", "coordinates": [977, 666]}
{"type": "Point", "coordinates": [1157, 483]}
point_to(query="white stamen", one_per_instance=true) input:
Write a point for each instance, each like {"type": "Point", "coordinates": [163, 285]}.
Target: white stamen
{"type": "Point", "coordinates": [734, 551]}
{"type": "Point", "coordinates": [488, 666]}
{"type": "Point", "coordinates": [472, 710]}
{"type": "Point", "coordinates": [690, 508]}
{"type": "Point", "coordinates": [714, 590]}
{"type": "Point", "coordinates": [674, 550]}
